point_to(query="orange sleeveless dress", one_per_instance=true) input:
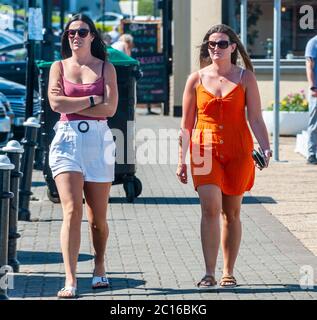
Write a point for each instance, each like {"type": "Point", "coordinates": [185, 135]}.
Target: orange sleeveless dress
{"type": "Point", "coordinates": [221, 144]}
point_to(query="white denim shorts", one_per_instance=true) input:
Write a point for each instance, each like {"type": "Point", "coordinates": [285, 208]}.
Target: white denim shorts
{"type": "Point", "coordinates": [83, 146]}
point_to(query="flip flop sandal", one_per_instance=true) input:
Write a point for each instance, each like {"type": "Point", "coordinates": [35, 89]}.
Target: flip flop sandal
{"type": "Point", "coordinates": [72, 293]}
{"type": "Point", "coordinates": [207, 281]}
{"type": "Point", "coordinates": [228, 282]}
{"type": "Point", "coordinates": [99, 282]}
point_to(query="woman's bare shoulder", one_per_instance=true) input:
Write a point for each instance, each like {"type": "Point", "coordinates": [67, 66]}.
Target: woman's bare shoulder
{"type": "Point", "coordinates": [248, 77]}
{"type": "Point", "coordinates": [56, 64]}
{"type": "Point", "coordinates": [108, 67]}
{"type": "Point", "coordinates": [55, 67]}
{"type": "Point", "coordinates": [206, 69]}
{"type": "Point", "coordinates": [193, 79]}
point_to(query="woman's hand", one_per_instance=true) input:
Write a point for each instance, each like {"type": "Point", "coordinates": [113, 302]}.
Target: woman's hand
{"type": "Point", "coordinates": [98, 99]}
{"type": "Point", "coordinates": [267, 155]}
{"type": "Point", "coordinates": [313, 92]}
{"type": "Point", "coordinates": [181, 172]}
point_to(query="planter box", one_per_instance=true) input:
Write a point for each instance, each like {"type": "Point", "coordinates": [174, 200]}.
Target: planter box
{"type": "Point", "coordinates": [291, 123]}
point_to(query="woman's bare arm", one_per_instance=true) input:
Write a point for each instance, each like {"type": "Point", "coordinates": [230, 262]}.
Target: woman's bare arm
{"type": "Point", "coordinates": [58, 101]}
{"type": "Point", "coordinates": [255, 118]}
{"type": "Point", "coordinates": [188, 115]}
{"type": "Point", "coordinates": [109, 106]}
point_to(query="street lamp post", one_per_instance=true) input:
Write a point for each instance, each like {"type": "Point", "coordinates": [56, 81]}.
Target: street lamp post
{"type": "Point", "coordinates": [276, 76]}
{"type": "Point", "coordinates": [62, 15]}
{"type": "Point", "coordinates": [30, 69]}
{"type": "Point", "coordinates": [103, 12]}
{"type": "Point", "coordinates": [244, 17]}
{"type": "Point", "coordinates": [132, 10]}
{"type": "Point", "coordinates": [48, 36]}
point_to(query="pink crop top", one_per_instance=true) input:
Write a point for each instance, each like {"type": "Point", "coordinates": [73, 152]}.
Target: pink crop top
{"type": "Point", "coordinates": [72, 89]}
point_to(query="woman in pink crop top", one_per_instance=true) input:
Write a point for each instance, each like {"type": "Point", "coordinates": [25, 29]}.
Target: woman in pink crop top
{"type": "Point", "coordinates": [83, 89]}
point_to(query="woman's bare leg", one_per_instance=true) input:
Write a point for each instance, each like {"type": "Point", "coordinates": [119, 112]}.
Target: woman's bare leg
{"type": "Point", "coordinates": [97, 196]}
{"type": "Point", "coordinates": [70, 190]}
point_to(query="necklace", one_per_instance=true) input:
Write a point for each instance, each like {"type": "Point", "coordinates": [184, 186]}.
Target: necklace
{"type": "Point", "coordinates": [222, 78]}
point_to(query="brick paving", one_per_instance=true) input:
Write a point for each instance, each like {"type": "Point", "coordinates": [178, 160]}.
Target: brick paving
{"type": "Point", "coordinates": [154, 249]}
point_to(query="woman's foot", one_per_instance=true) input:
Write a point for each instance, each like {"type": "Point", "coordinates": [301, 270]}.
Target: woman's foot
{"type": "Point", "coordinates": [100, 282]}
{"type": "Point", "coordinates": [228, 281]}
{"type": "Point", "coordinates": [207, 281]}
{"type": "Point", "coordinates": [68, 292]}
{"type": "Point", "coordinates": [99, 279]}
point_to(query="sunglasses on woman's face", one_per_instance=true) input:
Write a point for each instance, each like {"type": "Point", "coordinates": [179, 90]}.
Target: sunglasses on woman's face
{"type": "Point", "coordinates": [222, 44]}
{"type": "Point", "coordinates": [83, 33]}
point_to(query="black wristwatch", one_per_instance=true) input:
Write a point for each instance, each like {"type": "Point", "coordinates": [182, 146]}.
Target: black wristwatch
{"type": "Point", "coordinates": [92, 101]}
{"type": "Point", "coordinates": [313, 88]}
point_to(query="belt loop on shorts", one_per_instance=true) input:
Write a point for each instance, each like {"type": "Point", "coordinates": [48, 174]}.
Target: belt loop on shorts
{"type": "Point", "coordinates": [83, 126]}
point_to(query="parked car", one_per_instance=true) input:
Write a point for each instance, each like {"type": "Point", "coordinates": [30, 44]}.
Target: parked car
{"type": "Point", "coordinates": [5, 126]}
{"type": "Point", "coordinates": [5, 101]}
{"type": "Point", "coordinates": [13, 62]}
{"type": "Point", "coordinates": [145, 18]}
{"type": "Point", "coordinates": [8, 37]}
{"type": "Point", "coordinates": [111, 18]}
{"type": "Point", "coordinates": [16, 94]}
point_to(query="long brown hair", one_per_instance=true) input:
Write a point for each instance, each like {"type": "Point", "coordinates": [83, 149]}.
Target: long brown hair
{"type": "Point", "coordinates": [97, 46]}
{"type": "Point", "coordinates": [204, 57]}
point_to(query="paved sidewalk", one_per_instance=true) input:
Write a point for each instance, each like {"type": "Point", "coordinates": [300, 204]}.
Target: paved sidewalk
{"type": "Point", "coordinates": [154, 247]}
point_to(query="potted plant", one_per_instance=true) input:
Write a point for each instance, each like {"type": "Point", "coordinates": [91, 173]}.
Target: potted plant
{"type": "Point", "coordinates": [293, 115]}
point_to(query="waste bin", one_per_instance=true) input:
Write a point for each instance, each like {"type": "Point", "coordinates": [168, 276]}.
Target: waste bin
{"type": "Point", "coordinates": [48, 120]}
{"type": "Point", "coordinates": [123, 122]}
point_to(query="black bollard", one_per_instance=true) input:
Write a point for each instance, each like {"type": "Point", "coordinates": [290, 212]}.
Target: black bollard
{"type": "Point", "coordinates": [5, 196]}
{"type": "Point", "coordinates": [14, 151]}
{"type": "Point", "coordinates": [29, 143]}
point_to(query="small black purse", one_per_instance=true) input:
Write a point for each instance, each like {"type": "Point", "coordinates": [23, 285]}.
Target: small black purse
{"type": "Point", "coordinates": [259, 159]}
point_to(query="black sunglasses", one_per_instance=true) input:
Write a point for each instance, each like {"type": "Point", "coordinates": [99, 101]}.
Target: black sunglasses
{"type": "Point", "coordinates": [83, 33]}
{"type": "Point", "coordinates": [222, 44]}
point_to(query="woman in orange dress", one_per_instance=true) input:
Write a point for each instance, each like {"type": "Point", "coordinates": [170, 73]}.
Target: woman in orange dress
{"type": "Point", "coordinates": [214, 126]}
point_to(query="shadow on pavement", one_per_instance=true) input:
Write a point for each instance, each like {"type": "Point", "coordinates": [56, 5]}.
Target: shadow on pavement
{"type": "Point", "coordinates": [41, 257]}
{"type": "Point", "coordinates": [187, 200]}
{"type": "Point", "coordinates": [43, 285]}
{"type": "Point", "coordinates": [47, 284]}
{"type": "Point", "coordinates": [248, 289]}
{"type": "Point", "coordinates": [38, 184]}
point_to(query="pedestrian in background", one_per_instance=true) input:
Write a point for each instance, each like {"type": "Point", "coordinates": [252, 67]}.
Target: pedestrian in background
{"type": "Point", "coordinates": [107, 38]}
{"type": "Point", "coordinates": [115, 34]}
{"type": "Point", "coordinates": [214, 102]}
{"type": "Point", "coordinates": [83, 89]}
{"type": "Point", "coordinates": [124, 44]}
{"type": "Point", "coordinates": [311, 71]}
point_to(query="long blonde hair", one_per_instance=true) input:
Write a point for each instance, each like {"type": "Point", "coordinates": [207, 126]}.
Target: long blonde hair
{"type": "Point", "coordinates": [204, 57]}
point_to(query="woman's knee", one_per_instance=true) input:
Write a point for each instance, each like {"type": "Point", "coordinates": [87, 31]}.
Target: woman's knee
{"type": "Point", "coordinates": [231, 216]}
{"type": "Point", "coordinates": [72, 213]}
{"type": "Point", "coordinates": [210, 211]}
{"type": "Point", "coordinates": [98, 226]}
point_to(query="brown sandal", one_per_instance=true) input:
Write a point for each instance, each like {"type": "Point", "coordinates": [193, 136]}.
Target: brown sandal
{"type": "Point", "coordinates": [207, 281]}
{"type": "Point", "coordinates": [228, 282]}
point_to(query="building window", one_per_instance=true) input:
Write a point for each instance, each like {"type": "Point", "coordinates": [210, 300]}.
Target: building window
{"type": "Point", "coordinates": [260, 26]}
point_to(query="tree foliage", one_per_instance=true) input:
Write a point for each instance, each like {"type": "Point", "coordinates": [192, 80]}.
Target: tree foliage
{"type": "Point", "coordinates": [145, 7]}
